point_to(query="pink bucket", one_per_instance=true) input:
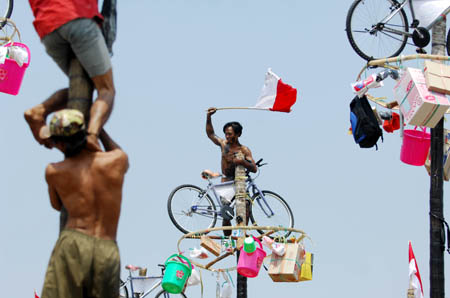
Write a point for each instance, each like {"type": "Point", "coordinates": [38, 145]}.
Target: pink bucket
{"type": "Point", "coordinates": [415, 147]}
{"type": "Point", "coordinates": [11, 74]}
{"type": "Point", "coordinates": [249, 264]}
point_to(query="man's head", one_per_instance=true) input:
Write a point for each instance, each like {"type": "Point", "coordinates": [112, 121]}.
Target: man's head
{"type": "Point", "coordinates": [232, 131]}
{"type": "Point", "coordinates": [67, 130]}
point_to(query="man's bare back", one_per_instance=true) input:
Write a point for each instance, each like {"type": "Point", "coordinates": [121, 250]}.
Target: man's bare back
{"type": "Point", "coordinates": [89, 185]}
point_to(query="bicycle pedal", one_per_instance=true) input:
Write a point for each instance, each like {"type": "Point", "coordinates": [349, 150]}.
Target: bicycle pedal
{"type": "Point", "coordinates": [227, 212]}
{"type": "Point", "coordinates": [420, 51]}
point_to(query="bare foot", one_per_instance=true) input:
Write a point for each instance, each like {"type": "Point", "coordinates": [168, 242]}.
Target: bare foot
{"type": "Point", "coordinates": [35, 118]}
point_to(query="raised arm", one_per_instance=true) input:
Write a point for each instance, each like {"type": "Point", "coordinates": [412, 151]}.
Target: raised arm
{"type": "Point", "coordinates": [209, 127]}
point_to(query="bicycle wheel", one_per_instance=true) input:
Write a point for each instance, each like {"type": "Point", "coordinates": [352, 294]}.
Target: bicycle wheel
{"type": "Point", "coordinates": [164, 294]}
{"type": "Point", "coordinates": [6, 7]}
{"type": "Point", "coordinates": [191, 209]}
{"type": "Point", "coordinates": [370, 38]}
{"type": "Point", "coordinates": [123, 291]}
{"type": "Point", "coordinates": [272, 210]}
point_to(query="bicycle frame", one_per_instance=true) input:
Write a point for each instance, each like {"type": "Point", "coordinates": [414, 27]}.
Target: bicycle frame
{"type": "Point", "coordinates": [251, 186]}
{"type": "Point", "coordinates": [130, 279]}
{"type": "Point", "coordinates": [400, 7]}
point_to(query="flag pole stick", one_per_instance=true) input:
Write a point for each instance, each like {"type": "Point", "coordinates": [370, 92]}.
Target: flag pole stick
{"type": "Point", "coordinates": [241, 108]}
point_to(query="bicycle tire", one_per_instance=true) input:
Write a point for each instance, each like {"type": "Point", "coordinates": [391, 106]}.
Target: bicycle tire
{"type": "Point", "coordinates": [448, 43]}
{"type": "Point", "coordinates": [6, 9]}
{"type": "Point", "coordinates": [162, 292]}
{"type": "Point", "coordinates": [369, 11]}
{"type": "Point", "coordinates": [123, 291]}
{"type": "Point", "coordinates": [285, 217]}
{"type": "Point", "coordinates": [187, 212]}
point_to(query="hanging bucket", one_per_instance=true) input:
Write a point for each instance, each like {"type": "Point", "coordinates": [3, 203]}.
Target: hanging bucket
{"type": "Point", "coordinates": [250, 263]}
{"type": "Point", "coordinates": [176, 274]}
{"type": "Point", "coordinates": [415, 147]}
{"type": "Point", "coordinates": [11, 74]}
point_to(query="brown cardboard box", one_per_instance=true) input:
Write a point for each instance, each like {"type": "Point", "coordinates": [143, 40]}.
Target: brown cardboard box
{"type": "Point", "coordinates": [287, 268]}
{"type": "Point", "coordinates": [212, 246]}
{"type": "Point", "coordinates": [437, 77]}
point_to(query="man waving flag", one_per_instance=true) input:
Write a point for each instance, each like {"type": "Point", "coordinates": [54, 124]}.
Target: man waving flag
{"type": "Point", "coordinates": [415, 281]}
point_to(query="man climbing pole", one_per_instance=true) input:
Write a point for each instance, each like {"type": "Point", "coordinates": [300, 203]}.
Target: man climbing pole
{"type": "Point", "coordinates": [71, 29]}
{"type": "Point", "coordinates": [230, 147]}
{"type": "Point", "coordinates": [85, 261]}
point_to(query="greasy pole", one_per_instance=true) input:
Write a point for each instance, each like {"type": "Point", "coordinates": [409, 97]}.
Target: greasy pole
{"type": "Point", "coordinates": [81, 88]}
{"type": "Point", "coordinates": [437, 286]}
{"type": "Point", "coordinates": [241, 219]}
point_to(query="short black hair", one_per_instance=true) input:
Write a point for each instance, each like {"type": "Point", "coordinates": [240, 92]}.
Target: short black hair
{"type": "Point", "coordinates": [74, 144]}
{"type": "Point", "coordinates": [236, 126]}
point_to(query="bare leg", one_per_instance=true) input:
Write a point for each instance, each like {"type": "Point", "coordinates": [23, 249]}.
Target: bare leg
{"type": "Point", "coordinates": [101, 108]}
{"type": "Point", "coordinates": [37, 115]}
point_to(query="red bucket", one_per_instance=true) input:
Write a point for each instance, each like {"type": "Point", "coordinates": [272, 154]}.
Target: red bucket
{"type": "Point", "coordinates": [11, 74]}
{"type": "Point", "coordinates": [415, 147]}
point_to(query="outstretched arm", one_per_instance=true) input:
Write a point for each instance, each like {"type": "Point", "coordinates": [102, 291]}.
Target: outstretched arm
{"type": "Point", "coordinates": [209, 127]}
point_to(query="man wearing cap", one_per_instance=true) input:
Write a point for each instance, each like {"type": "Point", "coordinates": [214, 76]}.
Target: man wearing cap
{"type": "Point", "coordinates": [68, 29]}
{"type": "Point", "coordinates": [85, 260]}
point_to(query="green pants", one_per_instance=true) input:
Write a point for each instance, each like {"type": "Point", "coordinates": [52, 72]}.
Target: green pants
{"type": "Point", "coordinates": [82, 266]}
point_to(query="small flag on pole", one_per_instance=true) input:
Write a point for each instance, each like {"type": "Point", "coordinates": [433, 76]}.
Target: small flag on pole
{"type": "Point", "coordinates": [415, 282]}
{"type": "Point", "coordinates": [276, 95]}
{"type": "Point", "coordinates": [35, 295]}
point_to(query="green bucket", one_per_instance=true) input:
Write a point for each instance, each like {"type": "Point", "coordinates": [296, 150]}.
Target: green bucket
{"type": "Point", "coordinates": [176, 274]}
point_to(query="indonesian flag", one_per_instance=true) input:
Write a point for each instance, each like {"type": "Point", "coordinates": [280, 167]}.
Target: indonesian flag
{"type": "Point", "coordinates": [415, 282]}
{"type": "Point", "coordinates": [35, 295]}
{"type": "Point", "coordinates": [276, 95]}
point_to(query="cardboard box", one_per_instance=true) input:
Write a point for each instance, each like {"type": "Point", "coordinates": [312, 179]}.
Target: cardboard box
{"type": "Point", "coordinates": [288, 267]}
{"type": "Point", "coordinates": [212, 246]}
{"type": "Point", "coordinates": [418, 105]}
{"type": "Point", "coordinates": [307, 267]}
{"type": "Point", "coordinates": [437, 77]}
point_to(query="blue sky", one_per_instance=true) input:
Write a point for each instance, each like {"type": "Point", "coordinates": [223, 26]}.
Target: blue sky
{"type": "Point", "coordinates": [173, 60]}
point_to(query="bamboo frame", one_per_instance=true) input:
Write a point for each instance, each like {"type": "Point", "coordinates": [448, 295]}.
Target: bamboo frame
{"type": "Point", "coordinates": [398, 59]}
{"type": "Point", "coordinates": [195, 235]}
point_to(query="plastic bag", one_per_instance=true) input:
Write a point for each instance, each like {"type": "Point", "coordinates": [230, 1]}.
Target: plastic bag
{"type": "Point", "coordinates": [361, 87]}
{"type": "Point", "coordinates": [227, 290]}
{"type": "Point", "coordinates": [194, 279]}
{"type": "Point", "coordinates": [198, 253]}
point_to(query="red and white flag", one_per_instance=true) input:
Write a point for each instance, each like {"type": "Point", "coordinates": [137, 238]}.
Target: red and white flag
{"type": "Point", "coordinates": [276, 95]}
{"type": "Point", "coordinates": [415, 282]}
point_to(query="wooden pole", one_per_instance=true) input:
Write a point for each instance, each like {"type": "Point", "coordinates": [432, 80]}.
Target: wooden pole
{"type": "Point", "coordinates": [437, 286]}
{"type": "Point", "coordinates": [241, 219]}
{"type": "Point", "coordinates": [81, 88]}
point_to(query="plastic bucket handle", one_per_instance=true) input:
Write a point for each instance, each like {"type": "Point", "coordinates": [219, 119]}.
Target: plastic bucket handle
{"type": "Point", "coordinates": [12, 43]}
{"type": "Point", "coordinates": [259, 241]}
{"type": "Point", "coordinates": [180, 256]}
{"type": "Point", "coordinates": [424, 131]}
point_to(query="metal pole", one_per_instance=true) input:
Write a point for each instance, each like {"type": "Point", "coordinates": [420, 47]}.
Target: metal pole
{"type": "Point", "coordinates": [437, 286]}
{"type": "Point", "coordinates": [241, 219]}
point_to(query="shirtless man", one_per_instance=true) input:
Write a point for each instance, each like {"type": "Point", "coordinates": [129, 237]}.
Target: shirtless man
{"type": "Point", "coordinates": [230, 147]}
{"type": "Point", "coordinates": [85, 261]}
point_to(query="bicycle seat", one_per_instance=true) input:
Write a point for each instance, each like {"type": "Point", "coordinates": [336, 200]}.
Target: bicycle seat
{"type": "Point", "coordinates": [208, 174]}
{"type": "Point", "coordinates": [132, 267]}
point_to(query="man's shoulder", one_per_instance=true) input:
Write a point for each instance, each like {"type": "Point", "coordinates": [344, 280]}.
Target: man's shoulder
{"type": "Point", "coordinates": [116, 157]}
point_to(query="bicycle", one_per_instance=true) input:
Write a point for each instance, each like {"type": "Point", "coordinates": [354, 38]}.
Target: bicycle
{"type": "Point", "coordinates": [191, 208]}
{"type": "Point", "coordinates": [6, 7]}
{"type": "Point", "coordinates": [123, 290]}
{"type": "Point", "coordinates": [379, 28]}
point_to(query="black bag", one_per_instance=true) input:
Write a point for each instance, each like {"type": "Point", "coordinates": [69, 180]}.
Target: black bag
{"type": "Point", "coordinates": [365, 127]}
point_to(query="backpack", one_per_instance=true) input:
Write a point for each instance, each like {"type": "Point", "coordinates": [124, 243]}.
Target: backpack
{"type": "Point", "coordinates": [365, 127]}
